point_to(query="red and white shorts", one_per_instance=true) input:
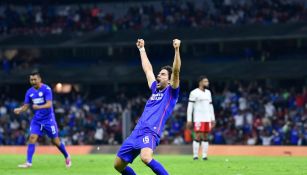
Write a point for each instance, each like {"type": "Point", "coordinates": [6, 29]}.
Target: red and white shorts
{"type": "Point", "coordinates": [202, 126]}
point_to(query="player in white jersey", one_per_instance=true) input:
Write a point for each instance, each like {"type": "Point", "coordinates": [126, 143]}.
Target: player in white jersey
{"type": "Point", "coordinates": [200, 109]}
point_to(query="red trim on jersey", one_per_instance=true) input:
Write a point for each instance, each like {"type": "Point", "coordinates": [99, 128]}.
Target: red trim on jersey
{"type": "Point", "coordinates": [164, 112]}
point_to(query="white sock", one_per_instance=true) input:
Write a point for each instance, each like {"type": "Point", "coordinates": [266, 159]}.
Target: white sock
{"type": "Point", "coordinates": [195, 148]}
{"type": "Point", "coordinates": [205, 146]}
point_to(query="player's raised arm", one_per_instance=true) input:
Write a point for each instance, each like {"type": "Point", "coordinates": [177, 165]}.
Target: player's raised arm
{"type": "Point", "coordinates": [176, 65]}
{"type": "Point", "coordinates": [145, 62]}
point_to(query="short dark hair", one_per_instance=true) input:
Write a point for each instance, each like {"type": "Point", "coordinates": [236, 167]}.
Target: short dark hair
{"type": "Point", "coordinates": [169, 69]}
{"type": "Point", "coordinates": [35, 73]}
{"type": "Point", "coordinates": [200, 78]}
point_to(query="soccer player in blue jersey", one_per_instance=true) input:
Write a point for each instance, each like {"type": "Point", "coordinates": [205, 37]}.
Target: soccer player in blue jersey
{"type": "Point", "coordinates": [39, 98]}
{"type": "Point", "coordinates": [146, 135]}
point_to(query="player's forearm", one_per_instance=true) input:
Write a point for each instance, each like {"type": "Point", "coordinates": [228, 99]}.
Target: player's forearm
{"type": "Point", "coordinates": [176, 69]}
{"type": "Point", "coordinates": [212, 113]}
{"type": "Point", "coordinates": [189, 111]}
{"type": "Point", "coordinates": [146, 65]}
{"type": "Point", "coordinates": [177, 62]}
{"type": "Point", "coordinates": [24, 108]}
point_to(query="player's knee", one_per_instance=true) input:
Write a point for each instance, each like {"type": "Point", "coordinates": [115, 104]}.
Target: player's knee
{"type": "Point", "coordinates": [56, 141]}
{"type": "Point", "coordinates": [205, 138]}
{"type": "Point", "coordinates": [146, 158]}
{"type": "Point", "coordinates": [118, 165]}
{"type": "Point", "coordinates": [197, 137]}
{"type": "Point", "coordinates": [32, 139]}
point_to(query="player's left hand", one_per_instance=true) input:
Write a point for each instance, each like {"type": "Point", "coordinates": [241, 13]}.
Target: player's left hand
{"type": "Point", "coordinates": [35, 107]}
{"type": "Point", "coordinates": [212, 124]}
{"type": "Point", "coordinates": [140, 43]}
{"type": "Point", "coordinates": [17, 111]}
{"type": "Point", "coordinates": [176, 43]}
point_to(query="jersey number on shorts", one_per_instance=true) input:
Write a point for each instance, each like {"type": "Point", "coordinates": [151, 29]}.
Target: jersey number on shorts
{"type": "Point", "coordinates": [146, 140]}
{"type": "Point", "coordinates": [53, 129]}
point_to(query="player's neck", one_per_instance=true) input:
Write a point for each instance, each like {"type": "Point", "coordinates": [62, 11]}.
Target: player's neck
{"type": "Point", "coordinates": [39, 86]}
{"type": "Point", "coordinates": [201, 88]}
{"type": "Point", "coordinates": [162, 89]}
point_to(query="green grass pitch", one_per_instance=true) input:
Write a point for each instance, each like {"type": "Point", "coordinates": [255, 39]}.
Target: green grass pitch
{"type": "Point", "coordinates": [102, 164]}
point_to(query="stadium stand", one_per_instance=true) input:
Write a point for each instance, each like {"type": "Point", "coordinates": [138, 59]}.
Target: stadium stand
{"type": "Point", "coordinates": [253, 51]}
{"type": "Point", "coordinates": [247, 113]}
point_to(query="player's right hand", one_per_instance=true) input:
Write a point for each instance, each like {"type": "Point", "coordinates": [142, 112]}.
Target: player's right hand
{"type": "Point", "coordinates": [17, 111]}
{"type": "Point", "coordinates": [140, 43]}
{"type": "Point", "coordinates": [176, 43]}
{"type": "Point", "coordinates": [189, 125]}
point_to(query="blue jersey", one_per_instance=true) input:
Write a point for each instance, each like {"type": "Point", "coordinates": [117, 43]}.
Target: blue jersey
{"type": "Point", "coordinates": [40, 97]}
{"type": "Point", "coordinates": [158, 109]}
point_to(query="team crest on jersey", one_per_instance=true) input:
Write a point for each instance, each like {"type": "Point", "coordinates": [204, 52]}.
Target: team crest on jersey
{"type": "Point", "coordinates": [40, 94]}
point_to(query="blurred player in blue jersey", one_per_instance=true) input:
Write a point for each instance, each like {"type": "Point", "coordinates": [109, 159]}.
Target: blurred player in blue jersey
{"type": "Point", "coordinates": [39, 98]}
{"type": "Point", "coordinates": [146, 135]}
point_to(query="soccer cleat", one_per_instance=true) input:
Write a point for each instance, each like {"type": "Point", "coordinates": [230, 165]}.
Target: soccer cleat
{"type": "Point", "coordinates": [195, 158]}
{"type": "Point", "coordinates": [68, 162]}
{"type": "Point", "coordinates": [205, 158]}
{"type": "Point", "coordinates": [25, 165]}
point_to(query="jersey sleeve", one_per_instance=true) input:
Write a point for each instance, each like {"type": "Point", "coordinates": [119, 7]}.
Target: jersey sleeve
{"type": "Point", "coordinates": [27, 98]}
{"type": "Point", "coordinates": [48, 94]}
{"type": "Point", "coordinates": [153, 86]}
{"type": "Point", "coordinates": [175, 92]}
{"type": "Point", "coordinates": [192, 99]}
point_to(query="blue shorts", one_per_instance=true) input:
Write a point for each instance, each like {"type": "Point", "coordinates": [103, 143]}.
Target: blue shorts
{"type": "Point", "coordinates": [132, 146]}
{"type": "Point", "coordinates": [48, 127]}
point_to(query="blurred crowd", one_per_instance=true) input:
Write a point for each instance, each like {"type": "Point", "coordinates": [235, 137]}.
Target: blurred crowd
{"type": "Point", "coordinates": [246, 113]}
{"type": "Point", "coordinates": [156, 15]}
{"type": "Point", "coordinates": [80, 121]}
{"type": "Point", "coordinates": [253, 114]}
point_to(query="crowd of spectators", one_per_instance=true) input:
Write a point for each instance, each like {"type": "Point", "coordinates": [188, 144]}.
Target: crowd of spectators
{"type": "Point", "coordinates": [17, 59]}
{"type": "Point", "coordinates": [154, 15]}
{"type": "Point", "coordinates": [255, 114]}
{"type": "Point", "coordinates": [246, 113]}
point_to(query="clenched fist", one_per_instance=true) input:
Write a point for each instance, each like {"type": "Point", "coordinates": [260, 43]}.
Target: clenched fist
{"type": "Point", "coordinates": [176, 43]}
{"type": "Point", "coordinates": [140, 43]}
{"type": "Point", "coordinates": [17, 111]}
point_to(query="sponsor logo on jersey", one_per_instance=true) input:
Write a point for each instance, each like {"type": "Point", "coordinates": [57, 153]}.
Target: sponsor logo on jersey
{"type": "Point", "coordinates": [158, 96]}
{"type": "Point", "coordinates": [38, 100]}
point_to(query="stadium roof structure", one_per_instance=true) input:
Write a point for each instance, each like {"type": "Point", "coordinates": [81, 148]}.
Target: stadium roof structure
{"type": "Point", "coordinates": [38, 2]}
{"type": "Point", "coordinates": [126, 37]}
